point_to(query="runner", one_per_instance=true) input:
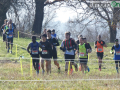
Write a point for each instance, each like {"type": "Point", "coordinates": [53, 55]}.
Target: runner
{"type": "Point", "coordinates": [3, 31]}
{"type": "Point", "coordinates": [13, 25]}
{"type": "Point", "coordinates": [45, 54]}
{"type": "Point", "coordinates": [53, 35]}
{"type": "Point", "coordinates": [89, 47]}
{"type": "Point", "coordinates": [99, 48]}
{"type": "Point", "coordinates": [83, 54]}
{"type": "Point", "coordinates": [79, 36]}
{"type": "Point", "coordinates": [68, 46]}
{"type": "Point", "coordinates": [54, 42]}
{"type": "Point", "coordinates": [116, 48]}
{"type": "Point", "coordinates": [10, 33]}
{"type": "Point", "coordinates": [34, 46]}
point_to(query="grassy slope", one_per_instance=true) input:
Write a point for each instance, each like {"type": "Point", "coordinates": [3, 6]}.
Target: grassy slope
{"type": "Point", "coordinates": [12, 71]}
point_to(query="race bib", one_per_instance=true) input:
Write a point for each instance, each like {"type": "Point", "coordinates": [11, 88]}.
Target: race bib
{"type": "Point", "coordinates": [118, 53]}
{"type": "Point", "coordinates": [10, 36]}
{"type": "Point", "coordinates": [35, 52]}
{"type": "Point", "coordinates": [44, 52]}
{"type": "Point", "coordinates": [69, 50]}
{"type": "Point", "coordinates": [99, 49]}
{"type": "Point", "coordinates": [82, 54]}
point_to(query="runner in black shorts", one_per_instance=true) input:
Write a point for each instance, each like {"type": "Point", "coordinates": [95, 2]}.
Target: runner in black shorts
{"type": "Point", "coordinates": [10, 33]}
{"type": "Point", "coordinates": [99, 48]}
{"type": "Point", "coordinates": [83, 54]}
{"type": "Point", "coordinates": [68, 46]}
{"type": "Point", "coordinates": [34, 46]}
{"type": "Point", "coordinates": [45, 53]}
{"type": "Point", "coordinates": [54, 42]}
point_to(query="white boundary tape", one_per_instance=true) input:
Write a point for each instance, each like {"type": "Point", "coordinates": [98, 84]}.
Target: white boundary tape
{"type": "Point", "coordinates": [117, 79]}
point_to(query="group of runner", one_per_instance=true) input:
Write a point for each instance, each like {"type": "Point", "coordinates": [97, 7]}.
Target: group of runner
{"type": "Point", "coordinates": [69, 46]}
{"type": "Point", "coordinates": [7, 30]}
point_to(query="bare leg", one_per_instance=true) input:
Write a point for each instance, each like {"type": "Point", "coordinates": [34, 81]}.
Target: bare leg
{"type": "Point", "coordinates": [56, 63]}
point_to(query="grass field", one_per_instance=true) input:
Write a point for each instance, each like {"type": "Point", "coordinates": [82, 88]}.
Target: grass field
{"type": "Point", "coordinates": [93, 80]}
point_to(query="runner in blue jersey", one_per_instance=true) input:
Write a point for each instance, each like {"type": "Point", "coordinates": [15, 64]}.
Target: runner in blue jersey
{"type": "Point", "coordinates": [34, 52]}
{"type": "Point", "coordinates": [10, 33]}
{"type": "Point", "coordinates": [116, 49]}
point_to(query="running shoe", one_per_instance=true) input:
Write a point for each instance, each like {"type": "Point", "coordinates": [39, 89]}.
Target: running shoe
{"type": "Point", "coordinates": [99, 69]}
{"type": "Point", "coordinates": [43, 72]}
{"type": "Point", "coordinates": [71, 71]}
{"type": "Point", "coordinates": [88, 69]}
{"type": "Point", "coordinates": [76, 67]}
{"type": "Point", "coordinates": [10, 51]}
{"type": "Point", "coordinates": [37, 72]}
{"type": "Point", "coordinates": [117, 71]}
{"type": "Point", "coordinates": [59, 70]}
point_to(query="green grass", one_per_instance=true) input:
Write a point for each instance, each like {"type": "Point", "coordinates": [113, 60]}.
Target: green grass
{"type": "Point", "coordinates": [12, 71]}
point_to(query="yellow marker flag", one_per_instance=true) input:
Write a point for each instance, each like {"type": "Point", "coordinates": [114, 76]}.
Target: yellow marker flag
{"type": "Point", "coordinates": [16, 50]}
{"type": "Point", "coordinates": [73, 67]}
{"type": "Point", "coordinates": [31, 66]}
{"type": "Point", "coordinates": [68, 67]}
{"type": "Point", "coordinates": [21, 66]}
{"type": "Point", "coordinates": [18, 35]}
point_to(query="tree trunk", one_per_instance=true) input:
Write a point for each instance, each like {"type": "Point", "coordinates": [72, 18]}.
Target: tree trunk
{"type": "Point", "coordinates": [112, 34]}
{"type": "Point", "coordinates": [113, 25]}
{"type": "Point", "coordinates": [4, 6]}
{"type": "Point", "coordinates": [39, 14]}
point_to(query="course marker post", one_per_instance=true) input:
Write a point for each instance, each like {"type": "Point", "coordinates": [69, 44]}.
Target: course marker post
{"type": "Point", "coordinates": [18, 35]}
{"type": "Point", "coordinates": [21, 66]}
{"type": "Point", "coordinates": [31, 66]}
{"type": "Point", "coordinates": [73, 67]}
{"type": "Point", "coordinates": [68, 67]}
{"type": "Point", "coordinates": [16, 50]}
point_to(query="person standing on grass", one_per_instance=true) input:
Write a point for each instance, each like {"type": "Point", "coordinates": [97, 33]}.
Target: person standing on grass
{"type": "Point", "coordinates": [89, 48]}
{"type": "Point", "coordinates": [99, 49]}
{"type": "Point", "coordinates": [83, 51]}
{"type": "Point", "coordinates": [10, 33]}
{"type": "Point", "coordinates": [54, 42]}
{"type": "Point", "coordinates": [45, 53]}
{"type": "Point", "coordinates": [3, 31]}
{"type": "Point", "coordinates": [68, 46]}
{"type": "Point", "coordinates": [34, 46]}
{"type": "Point", "coordinates": [116, 48]}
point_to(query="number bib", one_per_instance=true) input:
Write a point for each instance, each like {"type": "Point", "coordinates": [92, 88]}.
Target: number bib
{"type": "Point", "coordinates": [34, 52]}
{"type": "Point", "coordinates": [44, 52]}
{"type": "Point", "coordinates": [118, 53]}
{"type": "Point", "coordinates": [69, 50]}
{"type": "Point", "coordinates": [10, 36]}
{"type": "Point", "coordinates": [99, 49]}
{"type": "Point", "coordinates": [81, 54]}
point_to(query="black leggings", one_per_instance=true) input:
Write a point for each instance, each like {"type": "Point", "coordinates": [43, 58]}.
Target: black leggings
{"type": "Point", "coordinates": [36, 63]}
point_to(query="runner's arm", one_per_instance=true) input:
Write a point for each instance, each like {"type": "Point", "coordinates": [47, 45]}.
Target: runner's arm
{"type": "Point", "coordinates": [113, 48]}
{"type": "Point", "coordinates": [2, 28]}
{"type": "Point", "coordinates": [14, 26]}
{"type": "Point", "coordinates": [28, 48]}
{"type": "Point", "coordinates": [56, 43]}
{"type": "Point", "coordinates": [95, 44]}
{"type": "Point", "coordinates": [6, 32]}
{"type": "Point", "coordinates": [74, 44]}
